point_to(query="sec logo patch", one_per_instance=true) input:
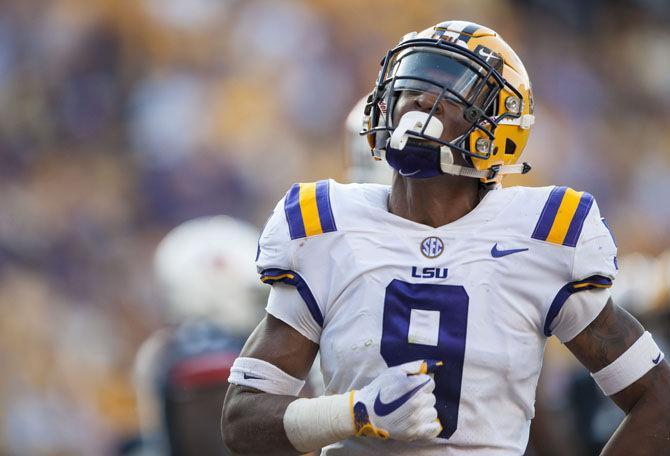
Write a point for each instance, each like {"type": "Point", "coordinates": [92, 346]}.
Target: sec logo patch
{"type": "Point", "coordinates": [432, 247]}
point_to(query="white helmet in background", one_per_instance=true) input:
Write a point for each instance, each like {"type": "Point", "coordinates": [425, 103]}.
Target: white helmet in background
{"type": "Point", "coordinates": [205, 268]}
{"type": "Point", "coordinates": [360, 167]}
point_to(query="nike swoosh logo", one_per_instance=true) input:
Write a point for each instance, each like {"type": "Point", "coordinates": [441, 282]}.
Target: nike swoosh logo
{"type": "Point", "coordinates": [495, 253]}
{"type": "Point", "coordinates": [247, 377]}
{"type": "Point", "coordinates": [382, 409]}
{"type": "Point", "coordinates": [409, 174]}
{"type": "Point", "coordinates": [657, 360]}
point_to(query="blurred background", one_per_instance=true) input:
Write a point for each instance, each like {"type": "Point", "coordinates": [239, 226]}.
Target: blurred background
{"type": "Point", "coordinates": [120, 119]}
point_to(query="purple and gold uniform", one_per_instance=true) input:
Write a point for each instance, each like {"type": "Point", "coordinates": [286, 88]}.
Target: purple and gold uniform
{"type": "Point", "coordinates": [482, 294]}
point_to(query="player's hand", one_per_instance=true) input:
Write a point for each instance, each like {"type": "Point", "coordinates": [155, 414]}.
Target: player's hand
{"type": "Point", "coordinates": [399, 404]}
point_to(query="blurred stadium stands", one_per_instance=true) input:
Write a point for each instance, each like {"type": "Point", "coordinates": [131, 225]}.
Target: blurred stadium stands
{"type": "Point", "coordinates": [120, 119]}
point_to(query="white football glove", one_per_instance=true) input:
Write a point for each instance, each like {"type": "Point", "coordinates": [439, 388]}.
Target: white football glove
{"type": "Point", "coordinates": [398, 404]}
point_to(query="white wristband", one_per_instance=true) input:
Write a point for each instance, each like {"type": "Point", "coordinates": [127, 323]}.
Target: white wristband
{"type": "Point", "coordinates": [311, 424]}
{"type": "Point", "coordinates": [630, 366]}
{"type": "Point", "coordinates": [264, 376]}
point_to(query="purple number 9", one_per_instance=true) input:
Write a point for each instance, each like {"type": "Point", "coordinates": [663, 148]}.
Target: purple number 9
{"type": "Point", "coordinates": [449, 303]}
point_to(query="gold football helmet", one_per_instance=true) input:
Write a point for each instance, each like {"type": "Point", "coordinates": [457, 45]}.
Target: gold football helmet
{"type": "Point", "coordinates": [474, 67]}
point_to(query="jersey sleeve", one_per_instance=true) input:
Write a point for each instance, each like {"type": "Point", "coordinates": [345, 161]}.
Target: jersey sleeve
{"type": "Point", "coordinates": [593, 270]}
{"type": "Point", "coordinates": [274, 246]}
{"type": "Point", "coordinates": [289, 254]}
{"type": "Point", "coordinates": [595, 254]}
{"type": "Point", "coordinates": [286, 304]}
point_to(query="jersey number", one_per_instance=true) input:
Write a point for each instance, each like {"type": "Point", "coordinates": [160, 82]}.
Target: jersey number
{"type": "Point", "coordinates": [449, 303]}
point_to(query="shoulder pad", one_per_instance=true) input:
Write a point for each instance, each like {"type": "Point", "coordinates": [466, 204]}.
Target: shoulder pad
{"type": "Point", "coordinates": [308, 209]}
{"type": "Point", "coordinates": [563, 216]}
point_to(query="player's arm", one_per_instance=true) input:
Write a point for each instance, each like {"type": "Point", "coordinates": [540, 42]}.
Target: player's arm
{"type": "Point", "coordinates": [262, 413]}
{"type": "Point", "coordinates": [608, 339]}
{"type": "Point", "coordinates": [257, 422]}
{"type": "Point", "coordinates": [252, 420]}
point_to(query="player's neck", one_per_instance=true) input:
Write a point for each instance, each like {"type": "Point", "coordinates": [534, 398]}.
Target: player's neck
{"type": "Point", "coordinates": [436, 201]}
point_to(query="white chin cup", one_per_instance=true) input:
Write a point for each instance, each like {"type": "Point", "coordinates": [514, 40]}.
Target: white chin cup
{"type": "Point", "coordinates": [411, 124]}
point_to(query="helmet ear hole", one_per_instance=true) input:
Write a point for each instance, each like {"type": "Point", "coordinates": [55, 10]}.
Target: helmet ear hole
{"type": "Point", "coordinates": [510, 147]}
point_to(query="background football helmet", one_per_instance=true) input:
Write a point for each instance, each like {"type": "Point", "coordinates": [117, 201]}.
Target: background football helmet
{"type": "Point", "coordinates": [205, 268]}
{"type": "Point", "coordinates": [472, 66]}
{"type": "Point", "coordinates": [359, 167]}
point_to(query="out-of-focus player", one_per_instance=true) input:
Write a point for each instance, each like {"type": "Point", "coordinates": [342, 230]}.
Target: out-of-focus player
{"type": "Point", "coordinates": [430, 301]}
{"type": "Point", "coordinates": [212, 298]}
{"type": "Point", "coordinates": [359, 167]}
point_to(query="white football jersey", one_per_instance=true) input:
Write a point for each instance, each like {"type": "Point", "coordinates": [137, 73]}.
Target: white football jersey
{"type": "Point", "coordinates": [481, 294]}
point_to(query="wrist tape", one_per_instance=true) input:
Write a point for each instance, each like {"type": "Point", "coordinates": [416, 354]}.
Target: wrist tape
{"type": "Point", "coordinates": [311, 424]}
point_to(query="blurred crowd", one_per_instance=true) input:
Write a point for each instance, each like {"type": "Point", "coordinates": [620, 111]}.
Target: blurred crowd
{"type": "Point", "coordinates": [122, 118]}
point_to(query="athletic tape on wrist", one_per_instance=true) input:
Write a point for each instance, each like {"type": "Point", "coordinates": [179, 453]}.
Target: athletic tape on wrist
{"type": "Point", "coordinates": [311, 424]}
{"type": "Point", "coordinates": [264, 376]}
{"type": "Point", "coordinates": [640, 357]}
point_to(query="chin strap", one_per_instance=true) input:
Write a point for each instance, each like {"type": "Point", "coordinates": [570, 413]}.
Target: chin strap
{"type": "Point", "coordinates": [489, 174]}
{"type": "Point", "coordinates": [447, 166]}
{"type": "Point", "coordinates": [494, 173]}
{"type": "Point", "coordinates": [413, 124]}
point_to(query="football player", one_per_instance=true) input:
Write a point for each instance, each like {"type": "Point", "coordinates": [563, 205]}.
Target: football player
{"type": "Point", "coordinates": [430, 301]}
{"type": "Point", "coordinates": [213, 300]}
